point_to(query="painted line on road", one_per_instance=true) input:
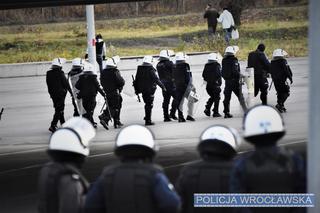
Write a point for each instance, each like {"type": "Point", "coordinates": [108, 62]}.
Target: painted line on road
{"type": "Point", "coordinates": [22, 152]}
{"type": "Point", "coordinates": [21, 169]}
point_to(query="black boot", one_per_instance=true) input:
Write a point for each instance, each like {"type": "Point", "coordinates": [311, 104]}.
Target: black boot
{"type": "Point", "coordinates": [149, 123]}
{"type": "Point", "coordinates": [104, 120]}
{"type": "Point", "coordinates": [173, 115]}
{"type": "Point", "coordinates": [53, 128]}
{"type": "Point", "coordinates": [181, 117]}
{"type": "Point", "coordinates": [279, 108]}
{"type": "Point", "coordinates": [228, 115]}
{"type": "Point", "coordinates": [207, 112]}
{"type": "Point", "coordinates": [216, 113]}
{"type": "Point", "coordinates": [189, 118]}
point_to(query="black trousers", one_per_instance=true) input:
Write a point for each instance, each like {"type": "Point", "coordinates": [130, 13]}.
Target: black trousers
{"type": "Point", "coordinates": [214, 93]}
{"type": "Point", "coordinates": [283, 92]}
{"type": "Point", "coordinates": [235, 87]}
{"type": "Point", "coordinates": [170, 93]}
{"type": "Point", "coordinates": [148, 98]}
{"type": "Point", "coordinates": [89, 104]}
{"type": "Point", "coordinates": [99, 60]}
{"type": "Point", "coordinates": [58, 104]}
{"type": "Point", "coordinates": [261, 84]}
{"type": "Point", "coordinates": [115, 104]}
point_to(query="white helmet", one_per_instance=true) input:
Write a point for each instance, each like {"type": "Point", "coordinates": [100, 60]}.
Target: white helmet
{"type": "Point", "coordinates": [232, 50]}
{"type": "Point", "coordinates": [113, 62]}
{"type": "Point", "coordinates": [279, 53]}
{"type": "Point", "coordinates": [74, 136]}
{"type": "Point", "coordinates": [219, 139]}
{"type": "Point", "coordinates": [180, 56]}
{"type": "Point", "coordinates": [88, 67]}
{"type": "Point", "coordinates": [166, 54]}
{"type": "Point", "coordinates": [78, 62]}
{"type": "Point", "coordinates": [262, 120]}
{"type": "Point", "coordinates": [148, 59]}
{"type": "Point", "coordinates": [215, 57]}
{"type": "Point", "coordinates": [58, 62]}
{"type": "Point", "coordinates": [136, 136]}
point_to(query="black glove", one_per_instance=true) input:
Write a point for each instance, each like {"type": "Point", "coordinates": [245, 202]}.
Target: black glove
{"type": "Point", "coordinates": [291, 81]}
{"type": "Point", "coordinates": [86, 56]}
{"type": "Point", "coordinates": [104, 57]}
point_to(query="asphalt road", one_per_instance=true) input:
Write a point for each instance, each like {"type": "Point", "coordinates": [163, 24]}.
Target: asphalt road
{"type": "Point", "coordinates": [28, 112]}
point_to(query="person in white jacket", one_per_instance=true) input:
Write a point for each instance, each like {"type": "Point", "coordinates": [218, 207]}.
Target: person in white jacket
{"type": "Point", "coordinates": [226, 19]}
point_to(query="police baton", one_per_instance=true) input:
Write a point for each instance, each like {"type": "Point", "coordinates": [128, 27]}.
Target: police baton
{"type": "Point", "coordinates": [271, 85]}
{"type": "Point", "coordinates": [133, 80]}
{"type": "Point", "coordinates": [1, 112]}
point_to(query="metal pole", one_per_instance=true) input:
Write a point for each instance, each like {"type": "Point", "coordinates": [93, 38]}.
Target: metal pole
{"type": "Point", "coordinates": [314, 104]}
{"type": "Point", "coordinates": [91, 35]}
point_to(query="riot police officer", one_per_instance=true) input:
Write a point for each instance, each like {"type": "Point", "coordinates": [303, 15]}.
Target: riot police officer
{"type": "Point", "coordinates": [231, 75]}
{"type": "Point", "coordinates": [112, 84]}
{"type": "Point", "coordinates": [280, 72]}
{"type": "Point", "coordinates": [165, 71]}
{"type": "Point", "coordinates": [58, 86]}
{"type": "Point", "coordinates": [146, 82]}
{"type": "Point", "coordinates": [212, 75]}
{"type": "Point", "coordinates": [258, 60]}
{"type": "Point", "coordinates": [62, 187]}
{"type": "Point", "coordinates": [268, 169]}
{"type": "Point", "coordinates": [88, 87]}
{"type": "Point", "coordinates": [73, 77]}
{"type": "Point", "coordinates": [183, 80]}
{"type": "Point", "coordinates": [211, 174]}
{"type": "Point", "coordinates": [135, 184]}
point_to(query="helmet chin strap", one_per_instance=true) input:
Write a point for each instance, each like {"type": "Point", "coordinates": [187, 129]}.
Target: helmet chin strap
{"type": "Point", "coordinates": [78, 136]}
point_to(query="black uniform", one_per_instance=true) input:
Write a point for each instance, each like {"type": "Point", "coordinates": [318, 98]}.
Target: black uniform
{"type": "Point", "coordinates": [182, 78]}
{"type": "Point", "coordinates": [146, 83]}
{"type": "Point", "coordinates": [112, 83]}
{"type": "Point", "coordinates": [132, 186]}
{"type": "Point", "coordinates": [211, 15]}
{"type": "Point", "coordinates": [269, 169]}
{"type": "Point", "coordinates": [280, 72]}
{"type": "Point", "coordinates": [258, 60]}
{"type": "Point", "coordinates": [62, 189]}
{"type": "Point", "coordinates": [73, 77]}
{"type": "Point", "coordinates": [231, 75]}
{"type": "Point", "coordinates": [88, 87]}
{"type": "Point", "coordinates": [212, 75]}
{"type": "Point", "coordinates": [58, 86]}
{"type": "Point", "coordinates": [206, 176]}
{"type": "Point", "coordinates": [165, 71]}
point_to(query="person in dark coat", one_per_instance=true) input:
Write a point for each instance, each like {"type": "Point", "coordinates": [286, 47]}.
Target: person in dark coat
{"type": "Point", "coordinates": [211, 174]}
{"type": "Point", "coordinates": [62, 187]}
{"type": "Point", "coordinates": [231, 75]}
{"type": "Point", "coordinates": [260, 63]}
{"type": "Point", "coordinates": [135, 184]}
{"type": "Point", "coordinates": [280, 72]}
{"type": "Point", "coordinates": [212, 75]}
{"type": "Point", "coordinates": [58, 86]}
{"type": "Point", "coordinates": [146, 82]}
{"type": "Point", "coordinates": [269, 168]}
{"type": "Point", "coordinates": [211, 15]}
{"type": "Point", "coordinates": [88, 87]}
{"type": "Point", "coordinates": [112, 84]}
{"type": "Point", "coordinates": [165, 71]}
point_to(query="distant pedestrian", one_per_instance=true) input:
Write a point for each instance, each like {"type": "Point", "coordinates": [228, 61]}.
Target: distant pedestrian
{"type": "Point", "coordinates": [211, 174]}
{"type": "Point", "coordinates": [280, 72]}
{"type": "Point", "coordinates": [88, 87]}
{"type": "Point", "coordinates": [62, 188]}
{"type": "Point", "coordinates": [135, 184]}
{"type": "Point", "coordinates": [258, 60]}
{"type": "Point", "coordinates": [212, 75]}
{"type": "Point", "coordinates": [269, 168]}
{"type": "Point", "coordinates": [211, 14]}
{"type": "Point", "coordinates": [101, 51]}
{"type": "Point", "coordinates": [58, 86]}
{"type": "Point", "coordinates": [226, 19]}
{"type": "Point", "coordinates": [146, 82]}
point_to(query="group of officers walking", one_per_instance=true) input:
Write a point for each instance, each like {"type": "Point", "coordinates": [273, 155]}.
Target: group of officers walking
{"type": "Point", "coordinates": [175, 79]}
{"type": "Point", "coordinates": [137, 185]}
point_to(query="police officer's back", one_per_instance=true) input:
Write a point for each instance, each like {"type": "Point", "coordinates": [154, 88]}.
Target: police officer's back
{"type": "Point", "coordinates": [134, 185]}
{"type": "Point", "coordinates": [268, 169]}
{"type": "Point", "coordinates": [62, 188]}
{"type": "Point", "coordinates": [211, 174]}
